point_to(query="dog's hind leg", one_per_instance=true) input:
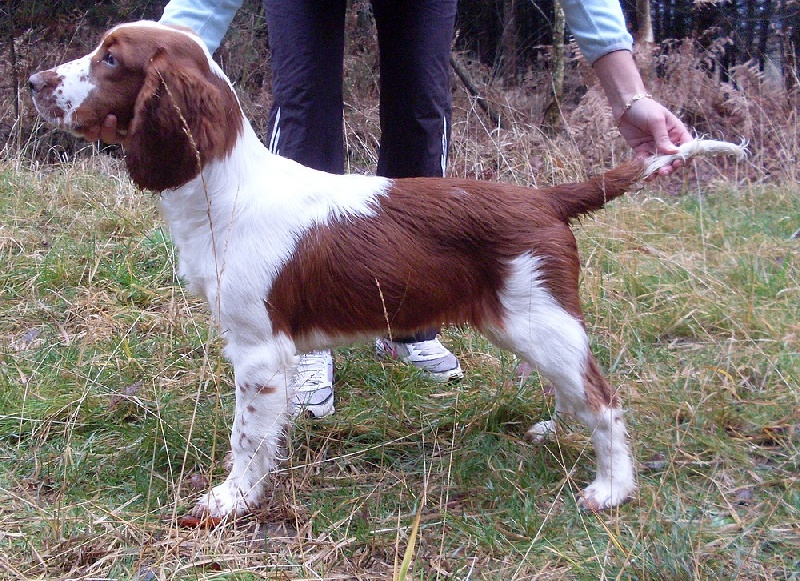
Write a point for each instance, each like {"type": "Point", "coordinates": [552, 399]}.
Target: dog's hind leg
{"type": "Point", "coordinates": [600, 412]}
{"type": "Point", "coordinates": [264, 376]}
{"type": "Point", "coordinates": [538, 328]}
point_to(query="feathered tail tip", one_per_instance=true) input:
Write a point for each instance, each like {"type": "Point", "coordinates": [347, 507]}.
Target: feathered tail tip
{"type": "Point", "coordinates": [697, 148]}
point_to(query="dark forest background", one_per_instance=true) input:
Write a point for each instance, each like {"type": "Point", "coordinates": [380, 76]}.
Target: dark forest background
{"type": "Point", "coordinates": [765, 32]}
{"type": "Point", "coordinates": [509, 35]}
{"type": "Point", "coordinates": [728, 68]}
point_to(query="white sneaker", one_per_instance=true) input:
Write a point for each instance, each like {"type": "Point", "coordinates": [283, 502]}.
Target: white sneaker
{"type": "Point", "coordinates": [430, 357]}
{"type": "Point", "coordinates": [314, 385]}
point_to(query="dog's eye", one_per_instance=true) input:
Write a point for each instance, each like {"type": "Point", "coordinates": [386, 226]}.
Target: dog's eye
{"type": "Point", "coordinates": [110, 60]}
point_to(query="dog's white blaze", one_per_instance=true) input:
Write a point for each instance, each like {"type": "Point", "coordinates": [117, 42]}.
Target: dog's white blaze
{"type": "Point", "coordinates": [74, 89]}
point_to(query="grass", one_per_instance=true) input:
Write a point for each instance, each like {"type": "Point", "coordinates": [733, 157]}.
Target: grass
{"type": "Point", "coordinates": [115, 407]}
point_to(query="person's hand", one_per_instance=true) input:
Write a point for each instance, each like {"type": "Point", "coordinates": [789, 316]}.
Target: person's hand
{"type": "Point", "coordinates": [107, 132]}
{"type": "Point", "coordinates": [650, 128]}
{"type": "Point", "coordinates": [647, 126]}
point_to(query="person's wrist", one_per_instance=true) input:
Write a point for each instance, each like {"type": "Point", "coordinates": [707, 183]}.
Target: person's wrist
{"type": "Point", "coordinates": [629, 103]}
{"type": "Point", "coordinates": [620, 79]}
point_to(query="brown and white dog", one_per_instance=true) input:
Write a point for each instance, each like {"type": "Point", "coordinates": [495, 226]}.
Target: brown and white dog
{"type": "Point", "coordinates": [291, 259]}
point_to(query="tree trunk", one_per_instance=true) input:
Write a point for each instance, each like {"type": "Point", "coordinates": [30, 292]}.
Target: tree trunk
{"type": "Point", "coordinates": [15, 80]}
{"type": "Point", "coordinates": [644, 21]}
{"type": "Point", "coordinates": [508, 63]}
{"type": "Point", "coordinates": [552, 122]}
{"type": "Point", "coordinates": [791, 47]}
{"type": "Point", "coordinates": [790, 41]}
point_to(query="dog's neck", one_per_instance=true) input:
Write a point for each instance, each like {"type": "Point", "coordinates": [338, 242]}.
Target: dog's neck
{"type": "Point", "coordinates": [262, 197]}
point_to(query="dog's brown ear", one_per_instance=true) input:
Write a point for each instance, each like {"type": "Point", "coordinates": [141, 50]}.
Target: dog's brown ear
{"type": "Point", "coordinates": [159, 151]}
{"type": "Point", "coordinates": [182, 120]}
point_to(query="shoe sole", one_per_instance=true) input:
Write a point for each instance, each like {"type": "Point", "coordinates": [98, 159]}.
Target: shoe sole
{"type": "Point", "coordinates": [453, 375]}
{"type": "Point", "coordinates": [314, 410]}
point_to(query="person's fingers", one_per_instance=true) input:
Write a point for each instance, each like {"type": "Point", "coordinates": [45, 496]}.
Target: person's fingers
{"type": "Point", "coordinates": [678, 132]}
{"type": "Point", "coordinates": [651, 129]}
{"type": "Point", "coordinates": [659, 129]}
{"type": "Point", "coordinates": [108, 132]}
{"type": "Point", "coordinates": [645, 149]}
{"type": "Point", "coordinates": [663, 143]}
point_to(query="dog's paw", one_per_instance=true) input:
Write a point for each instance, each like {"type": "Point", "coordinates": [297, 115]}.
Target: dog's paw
{"type": "Point", "coordinates": [224, 500]}
{"type": "Point", "coordinates": [541, 432]}
{"type": "Point", "coordinates": [604, 495]}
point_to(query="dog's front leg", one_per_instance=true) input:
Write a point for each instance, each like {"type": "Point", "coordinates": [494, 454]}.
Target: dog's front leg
{"type": "Point", "coordinates": [263, 389]}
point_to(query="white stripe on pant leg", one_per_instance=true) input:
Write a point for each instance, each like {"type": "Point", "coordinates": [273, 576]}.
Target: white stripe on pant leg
{"type": "Point", "coordinates": [444, 147]}
{"type": "Point", "coordinates": [276, 133]}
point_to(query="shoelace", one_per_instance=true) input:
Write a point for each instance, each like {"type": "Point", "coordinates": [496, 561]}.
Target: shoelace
{"type": "Point", "coordinates": [428, 350]}
{"type": "Point", "coordinates": [312, 371]}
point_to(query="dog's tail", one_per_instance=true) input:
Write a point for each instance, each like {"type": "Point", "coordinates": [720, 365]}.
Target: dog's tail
{"type": "Point", "coordinates": [573, 200]}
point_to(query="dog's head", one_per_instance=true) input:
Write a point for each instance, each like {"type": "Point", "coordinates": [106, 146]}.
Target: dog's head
{"type": "Point", "coordinates": [177, 107]}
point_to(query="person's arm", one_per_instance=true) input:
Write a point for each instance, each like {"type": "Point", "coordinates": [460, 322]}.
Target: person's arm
{"type": "Point", "coordinates": [210, 19]}
{"type": "Point", "coordinates": [598, 26]}
{"type": "Point", "coordinates": [647, 126]}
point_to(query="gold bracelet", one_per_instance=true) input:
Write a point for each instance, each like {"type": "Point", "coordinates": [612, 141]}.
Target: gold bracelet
{"type": "Point", "coordinates": [629, 104]}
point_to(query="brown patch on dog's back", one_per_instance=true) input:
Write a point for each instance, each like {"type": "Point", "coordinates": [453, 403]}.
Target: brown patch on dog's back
{"type": "Point", "coordinates": [436, 252]}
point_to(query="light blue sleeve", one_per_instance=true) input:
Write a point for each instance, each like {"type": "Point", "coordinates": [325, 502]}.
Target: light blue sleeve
{"type": "Point", "coordinates": [208, 18]}
{"type": "Point", "coordinates": [598, 26]}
